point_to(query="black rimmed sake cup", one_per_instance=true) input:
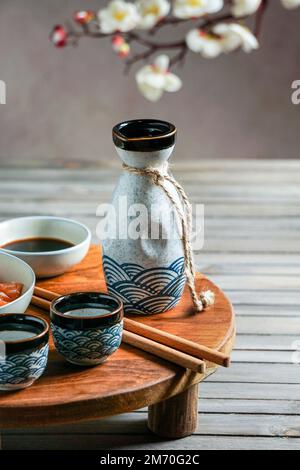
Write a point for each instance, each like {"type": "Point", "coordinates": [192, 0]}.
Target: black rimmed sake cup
{"type": "Point", "coordinates": [23, 350]}
{"type": "Point", "coordinates": [87, 327]}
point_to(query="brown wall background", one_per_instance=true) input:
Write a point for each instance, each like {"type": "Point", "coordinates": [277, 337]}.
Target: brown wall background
{"type": "Point", "coordinates": [61, 105]}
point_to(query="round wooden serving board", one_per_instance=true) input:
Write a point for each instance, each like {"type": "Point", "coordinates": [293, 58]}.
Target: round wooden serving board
{"type": "Point", "coordinates": [131, 378]}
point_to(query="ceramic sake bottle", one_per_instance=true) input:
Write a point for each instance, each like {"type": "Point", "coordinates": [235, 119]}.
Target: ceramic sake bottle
{"type": "Point", "coordinates": [143, 257]}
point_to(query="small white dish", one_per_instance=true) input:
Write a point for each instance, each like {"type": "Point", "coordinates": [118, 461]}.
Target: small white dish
{"type": "Point", "coordinates": [48, 263]}
{"type": "Point", "coordinates": [13, 269]}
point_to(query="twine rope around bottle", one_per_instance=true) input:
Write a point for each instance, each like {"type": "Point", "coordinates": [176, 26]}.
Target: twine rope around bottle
{"type": "Point", "coordinates": [184, 212]}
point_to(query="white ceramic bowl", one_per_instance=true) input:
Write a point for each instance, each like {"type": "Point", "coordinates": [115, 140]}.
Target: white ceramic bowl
{"type": "Point", "coordinates": [51, 263]}
{"type": "Point", "coordinates": [13, 269]}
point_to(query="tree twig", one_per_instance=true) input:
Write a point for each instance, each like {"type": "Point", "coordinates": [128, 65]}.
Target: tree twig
{"type": "Point", "coordinates": [179, 57]}
{"type": "Point", "coordinates": [259, 17]}
{"type": "Point", "coordinates": [152, 46]}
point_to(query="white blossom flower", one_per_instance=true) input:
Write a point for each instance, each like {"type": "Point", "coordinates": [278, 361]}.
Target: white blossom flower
{"type": "Point", "coordinates": [154, 79]}
{"type": "Point", "coordinates": [224, 38]}
{"type": "Point", "coordinates": [244, 7]}
{"type": "Point", "coordinates": [151, 12]}
{"type": "Point", "coordinates": [290, 4]}
{"type": "Point", "coordinates": [194, 8]}
{"type": "Point", "coordinates": [118, 16]}
{"type": "Point", "coordinates": [207, 44]}
{"type": "Point", "coordinates": [234, 35]}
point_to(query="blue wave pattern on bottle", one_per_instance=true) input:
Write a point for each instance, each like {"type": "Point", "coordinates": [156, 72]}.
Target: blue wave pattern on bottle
{"type": "Point", "coordinates": [18, 369]}
{"type": "Point", "coordinates": [89, 346]}
{"type": "Point", "coordinates": [145, 291]}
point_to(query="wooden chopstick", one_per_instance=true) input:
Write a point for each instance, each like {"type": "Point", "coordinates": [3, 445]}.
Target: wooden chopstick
{"type": "Point", "coordinates": [146, 344]}
{"type": "Point", "coordinates": [41, 303]}
{"type": "Point", "coordinates": [188, 347]}
{"type": "Point", "coordinates": [160, 350]}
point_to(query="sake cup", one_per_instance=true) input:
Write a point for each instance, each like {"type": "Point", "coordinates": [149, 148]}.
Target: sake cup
{"type": "Point", "coordinates": [87, 327]}
{"type": "Point", "coordinates": [23, 350]}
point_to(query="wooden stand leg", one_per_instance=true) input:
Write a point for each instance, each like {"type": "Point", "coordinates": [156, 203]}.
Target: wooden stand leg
{"type": "Point", "coordinates": [176, 417]}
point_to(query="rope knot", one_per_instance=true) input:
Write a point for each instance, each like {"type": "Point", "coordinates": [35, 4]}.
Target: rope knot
{"type": "Point", "coordinates": [205, 299]}
{"type": "Point", "coordinates": [156, 177]}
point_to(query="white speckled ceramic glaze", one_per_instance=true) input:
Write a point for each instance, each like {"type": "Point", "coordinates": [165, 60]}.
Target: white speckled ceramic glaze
{"type": "Point", "coordinates": [146, 274]}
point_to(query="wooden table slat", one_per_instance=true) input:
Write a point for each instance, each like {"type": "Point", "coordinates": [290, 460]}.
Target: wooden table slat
{"type": "Point", "coordinates": [252, 250]}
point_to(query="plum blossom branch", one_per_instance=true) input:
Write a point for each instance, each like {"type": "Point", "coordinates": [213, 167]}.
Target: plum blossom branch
{"type": "Point", "coordinates": [91, 30]}
{"type": "Point", "coordinates": [219, 26]}
{"type": "Point", "coordinates": [153, 48]}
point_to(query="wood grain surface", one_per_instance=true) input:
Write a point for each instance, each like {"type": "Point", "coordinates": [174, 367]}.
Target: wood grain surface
{"type": "Point", "coordinates": [131, 378]}
{"type": "Point", "coordinates": [176, 417]}
{"type": "Point", "coordinates": [251, 250]}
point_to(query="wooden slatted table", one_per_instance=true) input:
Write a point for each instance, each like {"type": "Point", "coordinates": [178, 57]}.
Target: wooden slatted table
{"type": "Point", "coordinates": [131, 378]}
{"type": "Point", "coordinates": [251, 250]}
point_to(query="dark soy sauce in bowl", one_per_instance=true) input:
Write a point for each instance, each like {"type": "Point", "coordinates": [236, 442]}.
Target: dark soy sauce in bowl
{"type": "Point", "coordinates": [38, 245]}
